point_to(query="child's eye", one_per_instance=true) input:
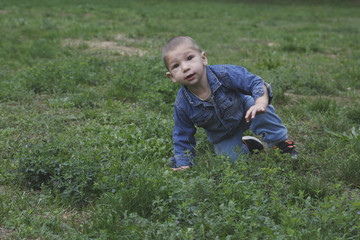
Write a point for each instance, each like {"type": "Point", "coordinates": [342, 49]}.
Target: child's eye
{"type": "Point", "coordinates": [175, 66]}
{"type": "Point", "coordinates": [190, 57]}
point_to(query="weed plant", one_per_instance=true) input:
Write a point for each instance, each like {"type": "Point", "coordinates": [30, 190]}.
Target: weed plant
{"type": "Point", "coordinates": [86, 121]}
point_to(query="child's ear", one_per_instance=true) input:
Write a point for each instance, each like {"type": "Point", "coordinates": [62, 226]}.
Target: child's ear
{"type": "Point", "coordinates": [204, 58]}
{"type": "Point", "coordinates": [171, 77]}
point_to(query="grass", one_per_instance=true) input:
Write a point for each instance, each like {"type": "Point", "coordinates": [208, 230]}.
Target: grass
{"type": "Point", "coordinates": [86, 121]}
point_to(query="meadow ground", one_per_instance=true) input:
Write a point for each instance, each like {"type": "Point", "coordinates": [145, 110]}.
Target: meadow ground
{"type": "Point", "coordinates": [86, 121]}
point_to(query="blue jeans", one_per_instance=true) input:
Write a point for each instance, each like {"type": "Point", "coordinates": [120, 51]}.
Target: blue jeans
{"type": "Point", "coordinates": [267, 124]}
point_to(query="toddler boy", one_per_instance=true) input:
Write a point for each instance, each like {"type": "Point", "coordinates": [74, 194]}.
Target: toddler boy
{"type": "Point", "coordinates": [225, 100]}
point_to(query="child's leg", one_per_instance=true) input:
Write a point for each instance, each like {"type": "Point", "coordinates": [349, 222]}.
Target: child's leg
{"type": "Point", "coordinates": [267, 124]}
{"type": "Point", "coordinates": [233, 146]}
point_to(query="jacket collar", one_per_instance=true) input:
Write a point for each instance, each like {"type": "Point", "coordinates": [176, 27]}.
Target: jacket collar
{"type": "Point", "coordinates": [213, 80]}
{"type": "Point", "coordinates": [214, 85]}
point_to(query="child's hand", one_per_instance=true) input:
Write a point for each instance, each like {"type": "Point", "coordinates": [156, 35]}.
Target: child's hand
{"type": "Point", "coordinates": [260, 106]}
{"type": "Point", "coordinates": [254, 110]}
{"type": "Point", "coordinates": [182, 168]}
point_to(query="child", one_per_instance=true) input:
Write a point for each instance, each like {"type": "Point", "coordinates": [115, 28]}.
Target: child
{"type": "Point", "coordinates": [225, 100]}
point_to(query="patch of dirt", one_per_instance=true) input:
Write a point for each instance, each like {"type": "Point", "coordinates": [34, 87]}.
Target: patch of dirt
{"type": "Point", "coordinates": [273, 44]}
{"type": "Point", "coordinates": [263, 42]}
{"type": "Point", "coordinates": [334, 98]}
{"type": "Point", "coordinates": [121, 37]}
{"type": "Point", "coordinates": [4, 11]}
{"type": "Point", "coordinates": [111, 46]}
{"type": "Point", "coordinates": [89, 15]}
{"type": "Point", "coordinates": [5, 233]}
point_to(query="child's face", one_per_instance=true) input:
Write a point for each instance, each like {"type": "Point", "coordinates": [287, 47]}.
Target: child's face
{"type": "Point", "coordinates": [186, 65]}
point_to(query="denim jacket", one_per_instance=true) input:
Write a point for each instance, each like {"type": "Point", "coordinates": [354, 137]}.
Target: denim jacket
{"type": "Point", "coordinates": [220, 116]}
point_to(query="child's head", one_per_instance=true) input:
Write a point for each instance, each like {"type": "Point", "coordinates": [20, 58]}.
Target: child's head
{"type": "Point", "coordinates": [174, 43]}
{"type": "Point", "coordinates": [185, 61]}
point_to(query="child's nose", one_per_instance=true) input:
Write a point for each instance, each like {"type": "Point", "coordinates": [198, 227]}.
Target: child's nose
{"type": "Point", "coordinates": [185, 66]}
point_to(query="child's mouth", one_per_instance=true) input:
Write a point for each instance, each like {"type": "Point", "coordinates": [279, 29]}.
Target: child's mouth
{"type": "Point", "coordinates": [190, 77]}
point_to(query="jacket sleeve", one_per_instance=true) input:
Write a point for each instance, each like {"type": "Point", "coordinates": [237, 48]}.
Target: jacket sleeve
{"type": "Point", "coordinates": [247, 83]}
{"type": "Point", "coordinates": [184, 140]}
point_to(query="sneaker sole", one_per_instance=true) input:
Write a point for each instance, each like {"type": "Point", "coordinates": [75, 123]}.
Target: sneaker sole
{"type": "Point", "coordinates": [252, 143]}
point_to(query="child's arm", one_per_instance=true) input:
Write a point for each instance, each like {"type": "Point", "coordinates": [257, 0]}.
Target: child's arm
{"type": "Point", "coordinates": [184, 141]}
{"type": "Point", "coordinates": [244, 82]}
{"type": "Point", "coordinates": [260, 106]}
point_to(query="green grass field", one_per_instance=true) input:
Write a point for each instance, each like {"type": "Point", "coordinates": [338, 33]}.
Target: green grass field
{"type": "Point", "coordinates": [86, 121]}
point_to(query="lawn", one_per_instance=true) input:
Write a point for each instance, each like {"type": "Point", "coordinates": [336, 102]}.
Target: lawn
{"type": "Point", "coordinates": [86, 118]}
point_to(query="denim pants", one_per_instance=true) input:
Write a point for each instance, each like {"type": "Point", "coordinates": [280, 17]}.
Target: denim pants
{"type": "Point", "coordinates": [267, 124]}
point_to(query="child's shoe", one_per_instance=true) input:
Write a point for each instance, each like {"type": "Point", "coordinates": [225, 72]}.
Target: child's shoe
{"type": "Point", "coordinates": [252, 143]}
{"type": "Point", "coordinates": [287, 147]}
